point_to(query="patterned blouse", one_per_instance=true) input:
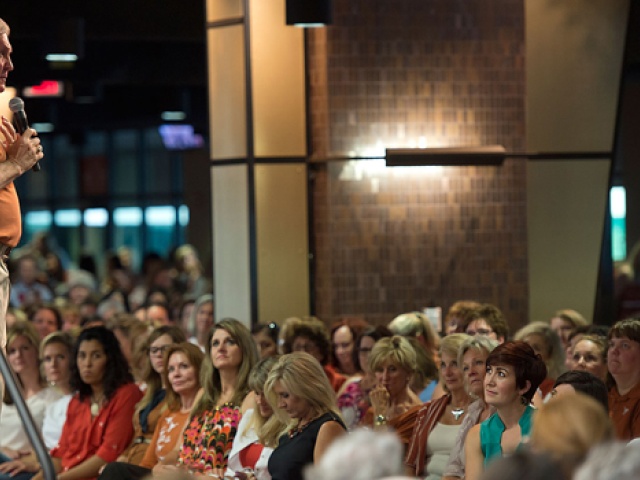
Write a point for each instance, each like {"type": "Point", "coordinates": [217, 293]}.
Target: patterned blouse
{"type": "Point", "coordinates": [354, 403]}
{"type": "Point", "coordinates": [208, 438]}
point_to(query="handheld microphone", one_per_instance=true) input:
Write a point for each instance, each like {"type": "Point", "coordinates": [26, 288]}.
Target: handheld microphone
{"type": "Point", "coordinates": [16, 105]}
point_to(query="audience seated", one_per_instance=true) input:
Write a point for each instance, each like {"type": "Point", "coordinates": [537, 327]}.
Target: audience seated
{"type": "Point", "coordinates": [458, 316]}
{"type": "Point", "coordinates": [152, 405]}
{"type": "Point", "coordinates": [488, 320]}
{"type": "Point", "coordinates": [201, 321]}
{"type": "Point", "coordinates": [99, 417]}
{"type": "Point", "coordinates": [26, 290]}
{"type": "Point", "coordinates": [472, 356]}
{"type": "Point", "coordinates": [416, 324]}
{"type": "Point", "coordinates": [299, 391]}
{"type": "Point", "coordinates": [546, 343]}
{"type": "Point", "coordinates": [23, 357]}
{"type": "Point", "coordinates": [438, 422]}
{"type": "Point", "coordinates": [259, 429]}
{"type": "Point", "coordinates": [266, 337]}
{"type": "Point", "coordinates": [343, 336]}
{"type": "Point", "coordinates": [46, 319]}
{"type": "Point", "coordinates": [514, 372]}
{"type": "Point", "coordinates": [312, 336]}
{"type": "Point", "coordinates": [566, 428]}
{"type": "Point", "coordinates": [181, 379]}
{"type": "Point", "coordinates": [393, 403]}
{"type": "Point", "coordinates": [584, 382]}
{"type": "Point", "coordinates": [590, 355]}
{"type": "Point", "coordinates": [611, 461]}
{"type": "Point", "coordinates": [564, 322]}
{"type": "Point", "coordinates": [361, 455]}
{"type": "Point", "coordinates": [623, 360]}
{"type": "Point", "coordinates": [353, 399]}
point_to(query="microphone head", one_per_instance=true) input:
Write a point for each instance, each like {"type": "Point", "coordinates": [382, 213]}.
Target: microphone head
{"type": "Point", "coordinates": [16, 104]}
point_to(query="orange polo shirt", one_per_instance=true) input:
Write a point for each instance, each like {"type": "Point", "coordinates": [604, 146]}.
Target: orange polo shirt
{"type": "Point", "coordinates": [10, 222]}
{"type": "Point", "coordinates": [624, 411]}
{"type": "Point", "coordinates": [107, 435]}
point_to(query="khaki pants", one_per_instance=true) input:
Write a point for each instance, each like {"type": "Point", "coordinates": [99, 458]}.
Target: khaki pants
{"type": "Point", "coordinates": [4, 304]}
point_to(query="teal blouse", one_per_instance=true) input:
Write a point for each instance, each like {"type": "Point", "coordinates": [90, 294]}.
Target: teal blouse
{"type": "Point", "coordinates": [491, 433]}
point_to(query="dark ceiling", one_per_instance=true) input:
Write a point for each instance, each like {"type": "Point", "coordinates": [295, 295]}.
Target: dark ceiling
{"type": "Point", "coordinates": [141, 57]}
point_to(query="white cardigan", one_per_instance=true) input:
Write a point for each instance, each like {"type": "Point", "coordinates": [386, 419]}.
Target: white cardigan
{"type": "Point", "coordinates": [245, 437]}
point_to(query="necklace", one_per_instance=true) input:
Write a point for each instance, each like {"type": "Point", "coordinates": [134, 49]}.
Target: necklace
{"type": "Point", "coordinates": [457, 412]}
{"type": "Point", "coordinates": [299, 429]}
{"type": "Point", "coordinates": [95, 406]}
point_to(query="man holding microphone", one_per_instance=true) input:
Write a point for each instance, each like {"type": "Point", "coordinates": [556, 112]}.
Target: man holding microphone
{"type": "Point", "coordinates": [18, 154]}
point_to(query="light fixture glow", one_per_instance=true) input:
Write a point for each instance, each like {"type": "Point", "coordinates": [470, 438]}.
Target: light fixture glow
{"type": "Point", "coordinates": [67, 218]}
{"type": "Point", "coordinates": [96, 217]}
{"type": "Point", "coordinates": [44, 127]}
{"type": "Point", "coordinates": [62, 57]}
{"type": "Point", "coordinates": [173, 116]}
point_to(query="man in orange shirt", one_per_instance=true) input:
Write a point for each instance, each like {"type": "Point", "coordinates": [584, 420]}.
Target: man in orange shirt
{"type": "Point", "coordinates": [18, 153]}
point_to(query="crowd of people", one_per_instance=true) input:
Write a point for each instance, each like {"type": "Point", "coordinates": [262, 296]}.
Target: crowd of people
{"type": "Point", "coordinates": [132, 378]}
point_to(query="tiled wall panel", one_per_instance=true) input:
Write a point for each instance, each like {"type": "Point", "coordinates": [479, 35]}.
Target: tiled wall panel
{"type": "Point", "coordinates": [409, 73]}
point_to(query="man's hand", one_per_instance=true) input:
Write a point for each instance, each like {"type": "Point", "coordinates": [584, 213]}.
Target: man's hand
{"type": "Point", "coordinates": [22, 150]}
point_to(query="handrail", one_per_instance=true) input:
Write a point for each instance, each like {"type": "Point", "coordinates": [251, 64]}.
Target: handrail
{"type": "Point", "coordinates": [27, 420]}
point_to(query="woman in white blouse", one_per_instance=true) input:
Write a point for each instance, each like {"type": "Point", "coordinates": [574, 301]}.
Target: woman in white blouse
{"type": "Point", "coordinates": [22, 354]}
{"type": "Point", "coordinates": [258, 431]}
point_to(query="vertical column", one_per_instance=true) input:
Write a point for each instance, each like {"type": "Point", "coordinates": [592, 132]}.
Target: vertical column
{"type": "Point", "coordinates": [258, 161]}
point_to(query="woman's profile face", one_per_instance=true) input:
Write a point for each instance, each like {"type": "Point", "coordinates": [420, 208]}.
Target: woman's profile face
{"type": "Point", "coordinates": [22, 355]}
{"type": "Point", "coordinates": [56, 360]}
{"type": "Point", "coordinates": [92, 362]}
{"type": "Point", "coordinates": [539, 345]}
{"type": "Point", "coordinates": [204, 317]}
{"type": "Point", "coordinates": [156, 352]}
{"type": "Point", "coordinates": [474, 368]}
{"type": "Point", "coordinates": [343, 347]}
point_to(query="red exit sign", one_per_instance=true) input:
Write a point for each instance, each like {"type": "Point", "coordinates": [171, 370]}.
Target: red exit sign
{"type": "Point", "coordinates": [47, 88]}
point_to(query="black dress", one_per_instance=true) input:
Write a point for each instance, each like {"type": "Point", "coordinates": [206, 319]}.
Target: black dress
{"type": "Point", "coordinates": [294, 452]}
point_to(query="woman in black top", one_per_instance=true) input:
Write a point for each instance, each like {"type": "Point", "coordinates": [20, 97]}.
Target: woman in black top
{"type": "Point", "coordinates": [298, 387]}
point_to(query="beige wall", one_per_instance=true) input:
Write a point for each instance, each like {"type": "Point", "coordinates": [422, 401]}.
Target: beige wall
{"type": "Point", "coordinates": [574, 55]}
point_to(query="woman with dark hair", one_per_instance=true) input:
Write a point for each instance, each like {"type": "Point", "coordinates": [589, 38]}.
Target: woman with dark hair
{"type": "Point", "coordinates": [98, 426]}
{"type": "Point", "coordinates": [311, 335]}
{"type": "Point", "coordinates": [575, 381]}
{"type": "Point", "coordinates": [623, 360]}
{"type": "Point", "coordinates": [182, 379]}
{"type": "Point", "coordinates": [46, 319]}
{"type": "Point", "coordinates": [514, 372]}
{"type": "Point", "coordinates": [343, 336]}
{"type": "Point", "coordinates": [354, 398]}
{"type": "Point", "coordinates": [150, 408]}
{"type": "Point", "coordinates": [266, 338]}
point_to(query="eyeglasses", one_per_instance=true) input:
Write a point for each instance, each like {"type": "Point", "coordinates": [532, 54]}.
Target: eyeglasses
{"type": "Point", "coordinates": [159, 350]}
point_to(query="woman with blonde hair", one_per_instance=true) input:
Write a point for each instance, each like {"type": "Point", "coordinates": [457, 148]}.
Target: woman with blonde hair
{"type": "Point", "coordinates": [23, 356]}
{"type": "Point", "coordinates": [564, 322]}
{"type": "Point", "coordinates": [300, 391]}
{"type": "Point", "coordinates": [546, 343]}
{"type": "Point", "coordinates": [568, 427]}
{"type": "Point", "coordinates": [259, 429]}
{"type": "Point", "coordinates": [393, 362]}
{"type": "Point", "coordinates": [438, 422]}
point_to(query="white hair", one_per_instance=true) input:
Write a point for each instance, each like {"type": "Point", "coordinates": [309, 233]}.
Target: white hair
{"type": "Point", "coordinates": [361, 455]}
{"type": "Point", "coordinates": [614, 460]}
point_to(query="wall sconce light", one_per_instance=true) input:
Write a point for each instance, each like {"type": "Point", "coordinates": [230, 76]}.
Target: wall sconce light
{"type": "Point", "coordinates": [489, 155]}
{"type": "Point", "coordinates": [309, 13]}
{"type": "Point", "coordinates": [454, 156]}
